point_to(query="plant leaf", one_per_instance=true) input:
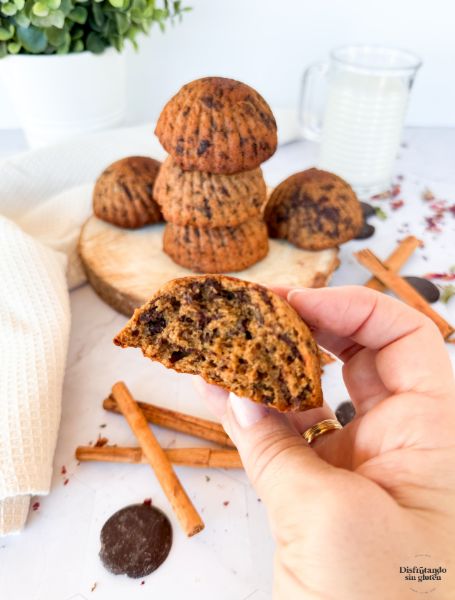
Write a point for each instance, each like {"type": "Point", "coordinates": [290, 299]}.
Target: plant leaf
{"type": "Point", "coordinates": [55, 36]}
{"type": "Point", "coordinates": [95, 43]}
{"type": "Point", "coordinates": [7, 32]}
{"type": "Point", "coordinates": [32, 39]}
{"type": "Point", "coordinates": [40, 9]}
{"type": "Point", "coordinates": [53, 19]}
{"type": "Point", "coordinates": [14, 48]}
{"type": "Point", "coordinates": [78, 15]}
{"type": "Point", "coordinates": [9, 9]}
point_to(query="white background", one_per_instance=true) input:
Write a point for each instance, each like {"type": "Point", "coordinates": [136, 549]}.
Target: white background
{"type": "Point", "coordinates": [269, 43]}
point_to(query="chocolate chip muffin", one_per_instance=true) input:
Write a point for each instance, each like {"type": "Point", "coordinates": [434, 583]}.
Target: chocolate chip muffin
{"type": "Point", "coordinates": [235, 334]}
{"type": "Point", "coordinates": [123, 193]}
{"type": "Point", "coordinates": [217, 125]}
{"type": "Point", "coordinates": [314, 210]}
{"type": "Point", "coordinates": [218, 249]}
{"type": "Point", "coordinates": [208, 200]}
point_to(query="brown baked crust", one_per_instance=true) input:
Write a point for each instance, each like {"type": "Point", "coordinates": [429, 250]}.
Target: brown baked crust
{"type": "Point", "coordinates": [208, 200]}
{"type": "Point", "coordinates": [219, 249]}
{"type": "Point", "coordinates": [217, 125]}
{"type": "Point", "coordinates": [123, 193]}
{"type": "Point", "coordinates": [314, 210]}
{"type": "Point", "coordinates": [235, 334]}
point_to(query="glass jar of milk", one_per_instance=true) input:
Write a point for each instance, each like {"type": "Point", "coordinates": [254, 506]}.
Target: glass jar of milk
{"type": "Point", "coordinates": [360, 119]}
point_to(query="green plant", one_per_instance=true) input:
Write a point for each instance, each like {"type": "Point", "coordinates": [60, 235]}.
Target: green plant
{"type": "Point", "coordinates": [64, 26]}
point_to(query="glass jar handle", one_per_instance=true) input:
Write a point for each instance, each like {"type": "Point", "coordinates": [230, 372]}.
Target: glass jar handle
{"type": "Point", "coordinates": [310, 106]}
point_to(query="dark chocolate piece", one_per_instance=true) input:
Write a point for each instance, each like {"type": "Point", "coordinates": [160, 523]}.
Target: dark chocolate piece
{"type": "Point", "coordinates": [365, 232]}
{"type": "Point", "coordinates": [135, 540]}
{"type": "Point", "coordinates": [345, 412]}
{"type": "Point", "coordinates": [367, 210]}
{"type": "Point", "coordinates": [426, 288]}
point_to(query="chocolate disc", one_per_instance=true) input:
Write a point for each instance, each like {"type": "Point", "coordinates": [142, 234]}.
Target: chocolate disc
{"type": "Point", "coordinates": [135, 540]}
{"type": "Point", "coordinates": [365, 232]}
{"type": "Point", "coordinates": [426, 288]}
{"type": "Point", "coordinates": [345, 412]}
{"type": "Point", "coordinates": [367, 210]}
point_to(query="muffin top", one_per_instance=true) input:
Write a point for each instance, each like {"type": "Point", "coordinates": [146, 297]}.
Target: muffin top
{"type": "Point", "coordinates": [314, 210]}
{"type": "Point", "coordinates": [217, 125]}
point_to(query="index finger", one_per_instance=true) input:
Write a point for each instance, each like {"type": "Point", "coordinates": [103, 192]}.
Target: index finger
{"type": "Point", "coordinates": [410, 350]}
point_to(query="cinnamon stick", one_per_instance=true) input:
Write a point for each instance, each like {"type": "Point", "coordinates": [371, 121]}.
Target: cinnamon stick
{"type": "Point", "coordinates": [172, 419]}
{"type": "Point", "coordinates": [402, 289]}
{"type": "Point", "coordinates": [188, 457]}
{"type": "Point", "coordinates": [396, 260]}
{"type": "Point", "coordinates": [187, 515]}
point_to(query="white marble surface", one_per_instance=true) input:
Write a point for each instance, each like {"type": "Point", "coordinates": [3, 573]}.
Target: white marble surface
{"type": "Point", "coordinates": [56, 557]}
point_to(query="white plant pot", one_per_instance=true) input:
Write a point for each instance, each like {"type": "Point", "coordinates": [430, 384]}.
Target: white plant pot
{"type": "Point", "coordinates": [56, 97]}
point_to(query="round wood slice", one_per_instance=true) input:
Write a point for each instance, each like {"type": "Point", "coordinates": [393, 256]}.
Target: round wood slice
{"type": "Point", "coordinates": [125, 267]}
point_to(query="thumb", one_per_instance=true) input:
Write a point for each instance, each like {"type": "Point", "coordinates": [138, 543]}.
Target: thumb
{"type": "Point", "coordinates": [278, 461]}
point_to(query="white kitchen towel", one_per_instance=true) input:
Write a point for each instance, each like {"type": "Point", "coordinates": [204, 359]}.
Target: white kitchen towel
{"type": "Point", "coordinates": [40, 220]}
{"type": "Point", "coordinates": [34, 329]}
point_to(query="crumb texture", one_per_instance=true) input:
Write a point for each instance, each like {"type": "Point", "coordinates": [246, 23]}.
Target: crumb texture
{"type": "Point", "coordinates": [123, 193]}
{"type": "Point", "coordinates": [219, 249]}
{"type": "Point", "coordinates": [206, 199]}
{"type": "Point", "coordinates": [235, 334]}
{"type": "Point", "coordinates": [217, 125]}
{"type": "Point", "coordinates": [314, 210]}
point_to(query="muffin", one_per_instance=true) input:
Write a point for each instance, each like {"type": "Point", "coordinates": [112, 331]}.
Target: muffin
{"type": "Point", "coordinates": [217, 125]}
{"type": "Point", "coordinates": [314, 210]}
{"type": "Point", "coordinates": [123, 193]}
{"type": "Point", "coordinates": [219, 249]}
{"type": "Point", "coordinates": [208, 200]}
{"type": "Point", "coordinates": [235, 334]}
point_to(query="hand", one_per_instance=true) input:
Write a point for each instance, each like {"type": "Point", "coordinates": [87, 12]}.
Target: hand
{"type": "Point", "coordinates": [361, 502]}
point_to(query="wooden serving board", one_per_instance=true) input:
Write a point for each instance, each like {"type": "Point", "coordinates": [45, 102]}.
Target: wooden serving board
{"type": "Point", "coordinates": [125, 267]}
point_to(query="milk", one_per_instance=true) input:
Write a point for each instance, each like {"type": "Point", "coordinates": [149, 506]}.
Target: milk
{"type": "Point", "coordinates": [362, 127]}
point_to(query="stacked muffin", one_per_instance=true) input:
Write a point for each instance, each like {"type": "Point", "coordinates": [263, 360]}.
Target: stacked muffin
{"type": "Point", "coordinates": [210, 189]}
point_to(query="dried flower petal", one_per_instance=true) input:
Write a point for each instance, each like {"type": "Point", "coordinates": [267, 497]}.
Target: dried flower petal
{"type": "Point", "coordinates": [380, 213]}
{"type": "Point", "coordinates": [428, 195]}
{"type": "Point", "coordinates": [101, 441]}
{"type": "Point", "coordinates": [396, 204]}
{"type": "Point", "coordinates": [448, 291]}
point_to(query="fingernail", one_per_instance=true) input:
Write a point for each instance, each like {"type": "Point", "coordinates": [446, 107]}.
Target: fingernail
{"type": "Point", "coordinates": [246, 412]}
{"type": "Point", "coordinates": [297, 292]}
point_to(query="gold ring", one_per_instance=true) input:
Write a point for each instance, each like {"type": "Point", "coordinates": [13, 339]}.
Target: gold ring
{"type": "Point", "coordinates": [320, 428]}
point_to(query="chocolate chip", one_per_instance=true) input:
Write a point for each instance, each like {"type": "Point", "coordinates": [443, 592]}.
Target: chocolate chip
{"type": "Point", "coordinates": [154, 321]}
{"type": "Point", "coordinates": [135, 540]}
{"type": "Point", "coordinates": [365, 232]}
{"type": "Point", "coordinates": [345, 412]}
{"type": "Point", "coordinates": [426, 288]}
{"type": "Point", "coordinates": [367, 210]}
{"type": "Point", "coordinates": [207, 100]}
{"type": "Point", "coordinates": [203, 146]}
{"type": "Point", "coordinates": [206, 208]}
{"type": "Point", "coordinates": [178, 355]}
